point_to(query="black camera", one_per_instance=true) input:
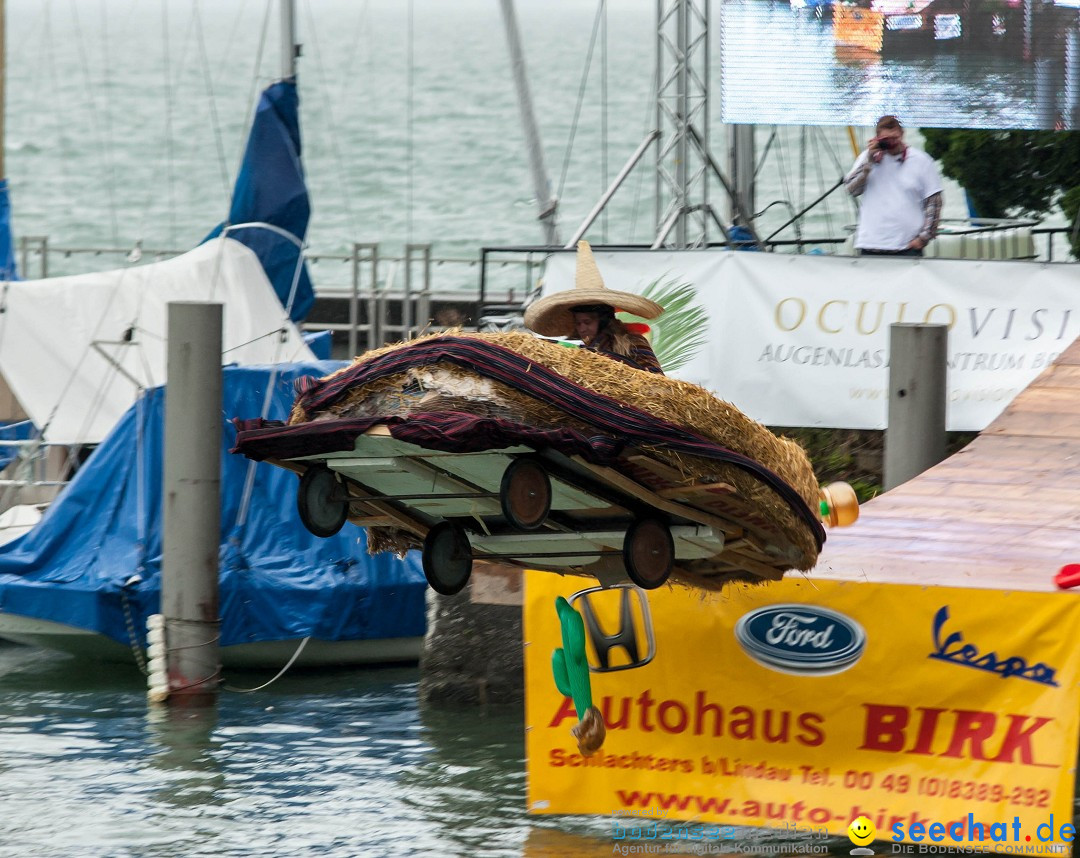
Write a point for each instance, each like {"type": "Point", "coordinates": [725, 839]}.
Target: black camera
{"type": "Point", "coordinates": [884, 143]}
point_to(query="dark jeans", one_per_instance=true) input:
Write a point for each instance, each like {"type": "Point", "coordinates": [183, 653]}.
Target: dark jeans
{"type": "Point", "coordinates": [910, 251]}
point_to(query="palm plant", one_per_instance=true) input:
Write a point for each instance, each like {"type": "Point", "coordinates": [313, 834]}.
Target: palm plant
{"type": "Point", "coordinates": [682, 330]}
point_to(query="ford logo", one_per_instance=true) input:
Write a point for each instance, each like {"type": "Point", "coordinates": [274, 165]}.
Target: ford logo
{"type": "Point", "coordinates": [801, 639]}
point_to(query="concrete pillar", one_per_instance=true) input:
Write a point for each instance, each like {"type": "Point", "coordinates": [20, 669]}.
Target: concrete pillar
{"type": "Point", "coordinates": [192, 502]}
{"type": "Point", "coordinates": [915, 436]}
{"type": "Point", "coordinates": [473, 652]}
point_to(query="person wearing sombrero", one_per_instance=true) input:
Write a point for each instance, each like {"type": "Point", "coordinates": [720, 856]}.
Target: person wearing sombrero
{"type": "Point", "coordinates": [588, 312]}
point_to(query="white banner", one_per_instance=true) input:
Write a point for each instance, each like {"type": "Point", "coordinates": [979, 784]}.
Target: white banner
{"type": "Point", "coordinates": [804, 340]}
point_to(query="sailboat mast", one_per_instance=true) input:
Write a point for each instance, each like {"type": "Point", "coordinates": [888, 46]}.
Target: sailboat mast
{"type": "Point", "coordinates": [541, 183]}
{"type": "Point", "coordinates": [288, 39]}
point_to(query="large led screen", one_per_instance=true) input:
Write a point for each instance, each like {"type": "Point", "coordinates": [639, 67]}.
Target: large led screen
{"type": "Point", "coordinates": [935, 63]}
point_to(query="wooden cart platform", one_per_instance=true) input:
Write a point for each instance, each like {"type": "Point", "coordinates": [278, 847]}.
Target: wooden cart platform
{"type": "Point", "coordinates": [541, 509]}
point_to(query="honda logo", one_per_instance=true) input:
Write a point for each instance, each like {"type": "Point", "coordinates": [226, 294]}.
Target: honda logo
{"type": "Point", "coordinates": [616, 620]}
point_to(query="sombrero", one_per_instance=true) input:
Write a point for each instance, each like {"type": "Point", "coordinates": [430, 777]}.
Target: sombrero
{"type": "Point", "coordinates": [552, 316]}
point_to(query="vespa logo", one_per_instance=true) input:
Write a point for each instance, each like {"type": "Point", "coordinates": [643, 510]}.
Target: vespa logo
{"type": "Point", "coordinates": [617, 620]}
{"type": "Point", "coordinates": [801, 639]}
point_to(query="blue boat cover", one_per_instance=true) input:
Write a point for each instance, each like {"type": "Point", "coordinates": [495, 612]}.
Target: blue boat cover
{"type": "Point", "coordinates": [320, 343]}
{"type": "Point", "coordinates": [270, 188]}
{"type": "Point", "coordinates": [7, 242]}
{"type": "Point", "coordinates": [99, 544]}
{"type": "Point", "coordinates": [23, 430]}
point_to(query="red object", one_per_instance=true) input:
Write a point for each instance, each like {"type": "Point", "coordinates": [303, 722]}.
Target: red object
{"type": "Point", "coordinates": [1068, 576]}
{"type": "Point", "coordinates": [638, 328]}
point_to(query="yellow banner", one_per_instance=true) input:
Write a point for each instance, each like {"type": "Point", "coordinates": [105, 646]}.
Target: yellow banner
{"type": "Point", "coordinates": [938, 714]}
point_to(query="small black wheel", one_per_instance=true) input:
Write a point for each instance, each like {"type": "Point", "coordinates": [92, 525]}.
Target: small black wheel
{"type": "Point", "coordinates": [318, 501]}
{"type": "Point", "coordinates": [447, 558]}
{"type": "Point", "coordinates": [525, 494]}
{"type": "Point", "coordinates": [649, 553]}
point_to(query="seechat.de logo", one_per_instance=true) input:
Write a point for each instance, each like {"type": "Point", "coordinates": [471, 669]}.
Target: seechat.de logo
{"type": "Point", "coordinates": [801, 639]}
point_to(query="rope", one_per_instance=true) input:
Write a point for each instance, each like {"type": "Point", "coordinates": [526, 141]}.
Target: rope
{"type": "Point", "coordinates": [841, 170]}
{"type": "Point", "coordinates": [55, 87]}
{"type": "Point", "coordinates": [213, 677]}
{"type": "Point", "coordinates": [821, 183]}
{"type": "Point", "coordinates": [141, 518]}
{"type": "Point", "coordinates": [646, 126]}
{"type": "Point", "coordinates": [106, 154]}
{"type": "Point", "coordinates": [255, 76]}
{"type": "Point", "coordinates": [334, 136]}
{"type": "Point", "coordinates": [253, 90]}
{"type": "Point", "coordinates": [580, 99]}
{"type": "Point", "coordinates": [280, 674]}
{"type": "Point", "coordinates": [215, 639]}
{"type": "Point", "coordinates": [170, 190]}
{"type": "Point", "coordinates": [603, 117]}
{"type": "Point", "coordinates": [781, 169]}
{"type": "Point", "coordinates": [249, 488]}
{"type": "Point", "coordinates": [802, 175]}
{"type": "Point", "coordinates": [215, 123]}
{"type": "Point", "coordinates": [223, 67]}
{"type": "Point", "coordinates": [129, 622]}
{"type": "Point", "coordinates": [349, 79]}
{"type": "Point", "coordinates": [113, 361]}
{"type": "Point", "coordinates": [249, 477]}
{"type": "Point", "coordinates": [113, 358]}
{"type": "Point", "coordinates": [409, 133]}
{"type": "Point", "coordinates": [277, 333]}
{"type": "Point", "coordinates": [136, 255]}
{"type": "Point", "coordinates": [293, 287]}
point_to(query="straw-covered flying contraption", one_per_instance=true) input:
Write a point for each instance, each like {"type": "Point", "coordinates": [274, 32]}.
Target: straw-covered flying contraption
{"type": "Point", "coordinates": [515, 449]}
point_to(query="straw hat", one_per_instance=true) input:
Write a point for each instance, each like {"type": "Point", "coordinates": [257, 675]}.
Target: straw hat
{"type": "Point", "coordinates": [552, 316]}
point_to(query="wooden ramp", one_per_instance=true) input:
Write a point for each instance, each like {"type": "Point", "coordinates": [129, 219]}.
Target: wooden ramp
{"type": "Point", "coordinates": [1003, 513]}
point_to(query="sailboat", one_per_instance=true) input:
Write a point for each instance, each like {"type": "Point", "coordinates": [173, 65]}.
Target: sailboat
{"type": "Point", "coordinates": [86, 576]}
{"type": "Point", "coordinates": [85, 579]}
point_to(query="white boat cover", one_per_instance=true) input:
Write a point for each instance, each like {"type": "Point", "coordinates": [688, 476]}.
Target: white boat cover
{"type": "Point", "coordinates": [76, 351]}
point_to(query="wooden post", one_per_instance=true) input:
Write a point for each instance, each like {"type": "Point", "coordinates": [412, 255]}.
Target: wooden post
{"type": "Point", "coordinates": [915, 437]}
{"type": "Point", "coordinates": [192, 503]}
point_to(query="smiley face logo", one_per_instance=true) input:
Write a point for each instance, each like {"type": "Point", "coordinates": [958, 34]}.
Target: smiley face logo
{"type": "Point", "coordinates": [861, 831]}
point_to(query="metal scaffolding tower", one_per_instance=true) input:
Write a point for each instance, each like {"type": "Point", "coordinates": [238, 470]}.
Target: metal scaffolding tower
{"type": "Point", "coordinates": [684, 163]}
{"type": "Point", "coordinates": [682, 118]}
{"type": "Point", "coordinates": [684, 160]}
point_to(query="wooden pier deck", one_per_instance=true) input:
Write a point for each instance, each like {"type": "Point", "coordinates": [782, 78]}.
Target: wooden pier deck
{"type": "Point", "coordinates": [1003, 513]}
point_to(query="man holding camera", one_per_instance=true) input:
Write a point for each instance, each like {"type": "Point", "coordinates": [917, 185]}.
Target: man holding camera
{"type": "Point", "coordinates": [901, 194]}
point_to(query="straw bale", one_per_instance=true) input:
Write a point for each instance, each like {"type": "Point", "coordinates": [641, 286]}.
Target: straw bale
{"type": "Point", "coordinates": [448, 387]}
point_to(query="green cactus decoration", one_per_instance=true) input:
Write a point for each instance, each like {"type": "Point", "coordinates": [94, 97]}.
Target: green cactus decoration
{"type": "Point", "coordinates": [569, 664]}
{"type": "Point", "coordinates": [571, 668]}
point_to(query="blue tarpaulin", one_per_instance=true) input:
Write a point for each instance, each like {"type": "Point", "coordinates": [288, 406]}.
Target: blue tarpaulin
{"type": "Point", "coordinates": [320, 343]}
{"type": "Point", "coordinates": [270, 189]}
{"type": "Point", "coordinates": [20, 431]}
{"type": "Point", "coordinates": [278, 581]}
{"type": "Point", "coordinates": [7, 242]}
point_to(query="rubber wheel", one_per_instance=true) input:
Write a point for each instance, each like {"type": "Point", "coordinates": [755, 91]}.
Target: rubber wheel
{"type": "Point", "coordinates": [320, 511]}
{"type": "Point", "coordinates": [649, 553]}
{"type": "Point", "coordinates": [525, 494]}
{"type": "Point", "coordinates": [447, 558]}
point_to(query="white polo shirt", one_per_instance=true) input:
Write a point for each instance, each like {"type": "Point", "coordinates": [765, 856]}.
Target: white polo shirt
{"type": "Point", "coordinates": [891, 212]}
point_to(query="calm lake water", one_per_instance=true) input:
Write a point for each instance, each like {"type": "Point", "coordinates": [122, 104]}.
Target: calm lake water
{"type": "Point", "coordinates": [339, 764]}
